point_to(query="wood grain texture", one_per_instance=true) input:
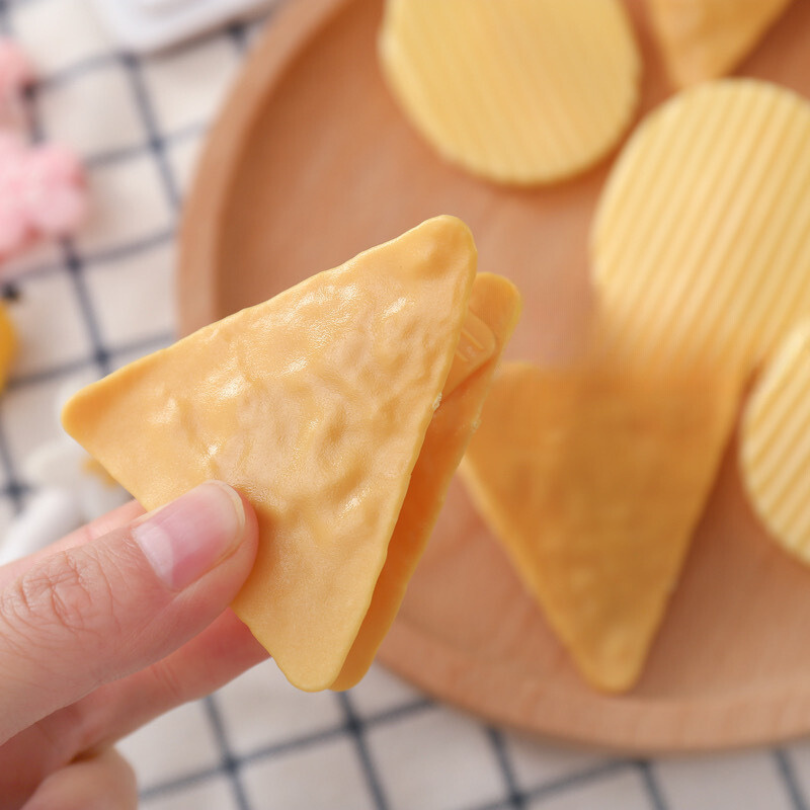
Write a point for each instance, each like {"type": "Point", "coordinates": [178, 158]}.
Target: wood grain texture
{"type": "Point", "coordinates": [311, 162]}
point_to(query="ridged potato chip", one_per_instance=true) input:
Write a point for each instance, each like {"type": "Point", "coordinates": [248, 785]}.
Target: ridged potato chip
{"type": "Point", "coordinates": [775, 445]}
{"type": "Point", "coordinates": [701, 239]}
{"type": "Point", "coordinates": [516, 91]}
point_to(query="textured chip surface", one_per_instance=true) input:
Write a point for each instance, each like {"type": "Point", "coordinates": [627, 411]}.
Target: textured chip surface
{"type": "Point", "coordinates": [315, 405]}
{"type": "Point", "coordinates": [517, 91]}
{"type": "Point", "coordinates": [702, 235]}
{"type": "Point", "coordinates": [594, 479]}
{"type": "Point", "coordinates": [775, 445]}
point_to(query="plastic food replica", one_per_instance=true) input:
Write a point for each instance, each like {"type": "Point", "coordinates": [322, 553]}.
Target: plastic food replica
{"type": "Point", "coordinates": [594, 477]}
{"type": "Point", "coordinates": [516, 91]}
{"type": "Point", "coordinates": [341, 409]}
{"type": "Point", "coordinates": [774, 446]}
{"type": "Point", "coordinates": [707, 39]}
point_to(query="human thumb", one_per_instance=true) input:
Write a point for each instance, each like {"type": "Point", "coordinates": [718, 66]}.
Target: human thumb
{"type": "Point", "coordinates": [93, 613]}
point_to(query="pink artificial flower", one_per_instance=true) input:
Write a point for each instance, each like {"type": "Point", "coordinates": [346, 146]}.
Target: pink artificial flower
{"type": "Point", "coordinates": [42, 193]}
{"type": "Point", "coordinates": [42, 187]}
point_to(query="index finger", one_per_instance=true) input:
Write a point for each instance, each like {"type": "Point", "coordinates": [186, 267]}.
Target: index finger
{"type": "Point", "coordinates": [85, 534]}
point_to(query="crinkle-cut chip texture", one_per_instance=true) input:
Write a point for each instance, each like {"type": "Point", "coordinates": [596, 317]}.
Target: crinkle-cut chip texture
{"type": "Point", "coordinates": [775, 445]}
{"type": "Point", "coordinates": [707, 39]}
{"type": "Point", "coordinates": [702, 235]}
{"type": "Point", "coordinates": [316, 405]}
{"type": "Point", "coordinates": [516, 91]}
{"type": "Point", "coordinates": [593, 479]}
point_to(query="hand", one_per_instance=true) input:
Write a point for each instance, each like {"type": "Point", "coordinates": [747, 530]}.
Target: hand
{"type": "Point", "coordinates": [110, 627]}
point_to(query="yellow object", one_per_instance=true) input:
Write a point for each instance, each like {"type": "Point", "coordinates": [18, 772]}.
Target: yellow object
{"type": "Point", "coordinates": [707, 39]}
{"type": "Point", "coordinates": [701, 240]}
{"type": "Point", "coordinates": [8, 344]}
{"type": "Point", "coordinates": [320, 405]}
{"type": "Point", "coordinates": [594, 480]}
{"type": "Point", "coordinates": [517, 91]}
{"type": "Point", "coordinates": [595, 477]}
{"type": "Point", "coordinates": [775, 445]}
{"type": "Point", "coordinates": [92, 467]}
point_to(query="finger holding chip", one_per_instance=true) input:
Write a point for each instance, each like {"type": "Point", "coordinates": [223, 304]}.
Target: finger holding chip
{"type": "Point", "coordinates": [340, 408]}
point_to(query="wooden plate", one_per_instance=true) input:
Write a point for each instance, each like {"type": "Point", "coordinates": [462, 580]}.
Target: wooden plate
{"type": "Point", "coordinates": [311, 162]}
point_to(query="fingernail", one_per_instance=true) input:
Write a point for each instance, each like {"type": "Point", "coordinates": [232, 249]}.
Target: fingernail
{"type": "Point", "coordinates": [188, 537]}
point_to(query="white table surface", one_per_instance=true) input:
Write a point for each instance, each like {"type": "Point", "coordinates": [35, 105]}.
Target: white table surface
{"type": "Point", "coordinates": [106, 297]}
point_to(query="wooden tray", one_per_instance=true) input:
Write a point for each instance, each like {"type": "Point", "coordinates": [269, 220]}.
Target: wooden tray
{"type": "Point", "coordinates": [311, 162]}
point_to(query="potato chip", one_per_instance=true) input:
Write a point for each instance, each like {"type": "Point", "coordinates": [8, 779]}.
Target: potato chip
{"type": "Point", "coordinates": [594, 479]}
{"type": "Point", "coordinates": [319, 406]}
{"type": "Point", "coordinates": [707, 39]}
{"type": "Point", "coordinates": [775, 445]}
{"type": "Point", "coordinates": [701, 240]}
{"type": "Point", "coordinates": [517, 91]}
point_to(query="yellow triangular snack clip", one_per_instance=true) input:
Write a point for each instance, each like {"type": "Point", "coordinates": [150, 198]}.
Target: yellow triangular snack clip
{"type": "Point", "coordinates": [594, 479]}
{"type": "Point", "coordinates": [707, 39]}
{"type": "Point", "coordinates": [319, 406]}
{"type": "Point", "coordinates": [775, 445]}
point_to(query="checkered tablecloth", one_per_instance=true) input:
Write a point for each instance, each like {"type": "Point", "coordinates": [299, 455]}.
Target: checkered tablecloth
{"type": "Point", "coordinates": [93, 303]}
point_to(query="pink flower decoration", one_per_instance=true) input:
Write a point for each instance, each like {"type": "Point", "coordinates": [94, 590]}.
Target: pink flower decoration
{"type": "Point", "coordinates": [42, 193]}
{"type": "Point", "coordinates": [42, 188]}
{"type": "Point", "coordinates": [54, 191]}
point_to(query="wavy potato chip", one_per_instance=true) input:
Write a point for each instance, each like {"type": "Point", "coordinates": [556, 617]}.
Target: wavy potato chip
{"type": "Point", "coordinates": [320, 405]}
{"type": "Point", "coordinates": [707, 39]}
{"type": "Point", "coordinates": [775, 445]}
{"type": "Point", "coordinates": [516, 91]}
{"type": "Point", "coordinates": [701, 239]}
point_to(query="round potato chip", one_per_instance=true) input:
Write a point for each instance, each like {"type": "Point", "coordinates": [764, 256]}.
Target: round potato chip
{"type": "Point", "coordinates": [775, 445]}
{"type": "Point", "coordinates": [701, 241]}
{"type": "Point", "coordinates": [517, 91]}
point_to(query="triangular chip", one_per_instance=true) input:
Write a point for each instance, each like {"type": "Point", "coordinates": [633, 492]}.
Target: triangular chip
{"type": "Point", "coordinates": [316, 405]}
{"type": "Point", "coordinates": [594, 479]}
{"type": "Point", "coordinates": [517, 91]}
{"type": "Point", "coordinates": [775, 445]}
{"type": "Point", "coordinates": [707, 39]}
{"type": "Point", "coordinates": [496, 304]}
